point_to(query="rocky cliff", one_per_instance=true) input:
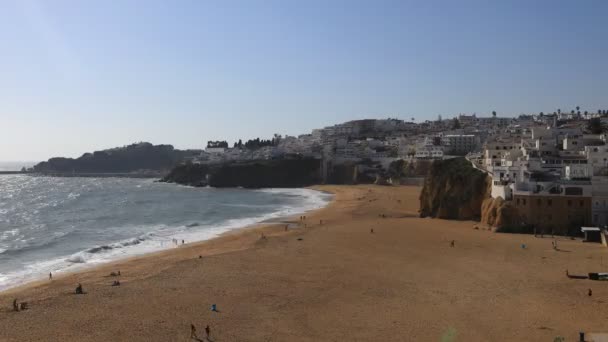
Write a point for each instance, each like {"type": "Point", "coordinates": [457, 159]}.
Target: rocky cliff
{"type": "Point", "coordinates": [131, 158]}
{"type": "Point", "coordinates": [499, 214]}
{"type": "Point", "coordinates": [453, 189]}
{"type": "Point", "coordinates": [256, 174]}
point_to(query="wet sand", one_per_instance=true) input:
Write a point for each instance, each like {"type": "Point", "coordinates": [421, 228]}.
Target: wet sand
{"type": "Point", "coordinates": [331, 282]}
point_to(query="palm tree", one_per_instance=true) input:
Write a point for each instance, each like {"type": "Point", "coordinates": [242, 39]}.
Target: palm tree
{"type": "Point", "coordinates": [572, 112]}
{"type": "Point", "coordinates": [541, 113]}
{"type": "Point", "coordinates": [413, 119]}
{"type": "Point", "coordinates": [559, 111]}
{"type": "Point", "coordinates": [494, 113]}
{"type": "Point", "coordinates": [578, 108]}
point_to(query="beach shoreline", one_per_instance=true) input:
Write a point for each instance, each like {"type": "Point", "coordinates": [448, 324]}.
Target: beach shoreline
{"type": "Point", "coordinates": [261, 226]}
{"type": "Point", "coordinates": [365, 268]}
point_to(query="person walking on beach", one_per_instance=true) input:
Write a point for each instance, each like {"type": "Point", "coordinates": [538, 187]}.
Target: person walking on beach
{"type": "Point", "coordinates": [452, 243]}
{"type": "Point", "coordinates": [50, 275]}
{"type": "Point", "coordinates": [589, 293]}
{"type": "Point", "coordinates": [193, 331]}
{"type": "Point", "coordinates": [15, 305]}
{"type": "Point", "coordinates": [207, 331]}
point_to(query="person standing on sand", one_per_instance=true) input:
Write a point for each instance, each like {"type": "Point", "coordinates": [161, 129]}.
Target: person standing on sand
{"type": "Point", "coordinates": [50, 275]}
{"type": "Point", "coordinates": [15, 305]}
{"type": "Point", "coordinates": [193, 331]}
{"type": "Point", "coordinates": [207, 331]}
{"type": "Point", "coordinates": [452, 243]}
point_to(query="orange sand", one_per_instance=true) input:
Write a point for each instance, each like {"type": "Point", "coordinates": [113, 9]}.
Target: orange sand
{"type": "Point", "coordinates": [339, 283]}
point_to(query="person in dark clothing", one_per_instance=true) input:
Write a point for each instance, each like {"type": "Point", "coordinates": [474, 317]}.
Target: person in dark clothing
{"type": "Point", "coordinates": [79, 289]}
{"type": "Point", "coordinates": [207, 331]}
{"type": "Point", "coordinates": [15, 305]}
{"type": "Point", "coordinates": [193, 331]}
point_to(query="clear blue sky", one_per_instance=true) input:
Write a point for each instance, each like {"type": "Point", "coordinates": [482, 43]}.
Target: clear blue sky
{"type": "Point", "coordinates": [77, 76]}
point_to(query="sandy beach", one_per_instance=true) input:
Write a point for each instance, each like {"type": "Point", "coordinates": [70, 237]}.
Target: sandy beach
{"type": "Point", "coordinates": [335, 281]}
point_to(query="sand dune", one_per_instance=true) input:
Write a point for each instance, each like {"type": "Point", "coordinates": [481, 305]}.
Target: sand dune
{"type": "Point", "coordinates": [331, 282]}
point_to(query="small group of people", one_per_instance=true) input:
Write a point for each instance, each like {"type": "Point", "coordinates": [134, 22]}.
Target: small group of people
{"type": "Point", "coordinates": [302, 218]}
{"type": "Point", "coordinates": [193, 332]}
{"type": "Point", "coordinates": [176, 241]}
{"type": "Point", "coordinates": [19, 306]}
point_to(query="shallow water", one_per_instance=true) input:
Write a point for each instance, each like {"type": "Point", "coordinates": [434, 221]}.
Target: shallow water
{"type": "Point", "coordinates": [52, 224]}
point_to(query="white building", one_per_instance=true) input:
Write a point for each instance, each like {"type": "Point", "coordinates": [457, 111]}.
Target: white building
{"type": "Point", "coordinates": [460, 144]}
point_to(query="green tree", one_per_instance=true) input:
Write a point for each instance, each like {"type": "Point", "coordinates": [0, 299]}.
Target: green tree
{"type": "Point", "coordinates": [494, 113]}
{"type": "Point", "coordinates": [578, 108]}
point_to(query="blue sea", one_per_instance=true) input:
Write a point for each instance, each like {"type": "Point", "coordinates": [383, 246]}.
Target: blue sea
{"type": "Point", "coordinates": [50, 224]}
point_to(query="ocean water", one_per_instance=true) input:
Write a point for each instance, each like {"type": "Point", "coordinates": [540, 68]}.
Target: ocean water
{"type": "Point", "coordinates": [50, 224]}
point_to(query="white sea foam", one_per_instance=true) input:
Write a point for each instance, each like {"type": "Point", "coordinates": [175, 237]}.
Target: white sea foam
{"type": "Point", "coordinates": [160, 237]}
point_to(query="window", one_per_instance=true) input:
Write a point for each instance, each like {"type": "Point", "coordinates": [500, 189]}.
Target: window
{"type": "Point", "coordinates": [518, 201]}
{"type": "Point", "coordinates": [569, 203]}
{"type": "Point", "coordinates": [549, 202]}
{"type": "Point", "coordinates": [582, 203]}
{"type": "Point", "coordinates": [538, 201]}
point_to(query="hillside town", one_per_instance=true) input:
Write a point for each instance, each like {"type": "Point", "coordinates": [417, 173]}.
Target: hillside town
{"type": "Point", "coordinates": [552, 166]}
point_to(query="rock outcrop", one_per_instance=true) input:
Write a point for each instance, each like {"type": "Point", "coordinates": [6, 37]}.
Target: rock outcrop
{"type": "Point", "coordinates": [188, 174]}
{"type": "Point", "coordinates": [453, 189]}
{"type": "Point", "coordinates": [131, 158]}
{"type": "Point", "coordinates": [256, 174]}
{"type": "Point", "coordinates": [498, 213]}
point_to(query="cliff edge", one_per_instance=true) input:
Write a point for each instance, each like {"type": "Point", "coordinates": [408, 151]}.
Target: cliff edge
{"type": "Point", "coordinates": [453, 189]}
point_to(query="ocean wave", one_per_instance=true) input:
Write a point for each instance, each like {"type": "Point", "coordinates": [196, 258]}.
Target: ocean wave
{"type": "Point", "coordinates": [146, 238]}
{"type": "Point", "coordinates": [86, 255]}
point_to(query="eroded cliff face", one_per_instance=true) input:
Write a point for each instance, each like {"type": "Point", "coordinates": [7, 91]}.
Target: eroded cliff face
{"type": "Point", "coordinates": [453, 189]}
{"type": "Point", "coordinates": [256, 174]}
{"type": "Point", "coordinates": [498, 213]}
